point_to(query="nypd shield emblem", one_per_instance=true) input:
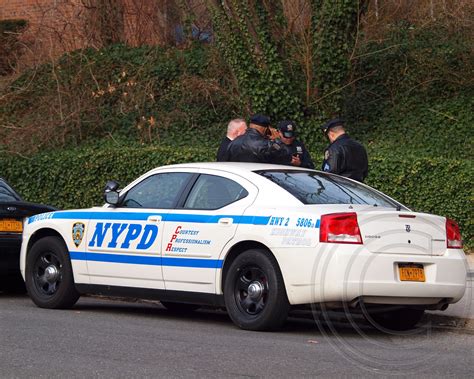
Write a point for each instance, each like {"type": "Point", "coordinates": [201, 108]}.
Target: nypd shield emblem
{"type": "Point", "coordinates": [78, 233]}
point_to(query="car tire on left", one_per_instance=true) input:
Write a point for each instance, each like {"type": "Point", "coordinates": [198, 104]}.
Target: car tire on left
{"type": "Point", "coordinates": [49, 278]}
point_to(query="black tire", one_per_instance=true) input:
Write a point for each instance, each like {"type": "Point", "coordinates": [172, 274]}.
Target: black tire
{"type": "Point", "coordinates": [49, 277]}
{"type": "Point", "coordinates": [397, 320]}
{"type": "Point", "coordinates": [179, 307]}
{"type": "Point", "coordinates": [254, 292]}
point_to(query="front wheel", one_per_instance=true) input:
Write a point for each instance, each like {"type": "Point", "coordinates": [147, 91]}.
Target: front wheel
{"type": "Point", "coordinates": [49, 278]}
{"type": "Point", "coordinates": [254, 292]}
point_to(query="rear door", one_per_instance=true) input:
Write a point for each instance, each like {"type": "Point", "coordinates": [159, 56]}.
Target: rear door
{"type": "Point", "coordinates": [124, 243]}
{"type": "Point", "coordinates": [196, 233]}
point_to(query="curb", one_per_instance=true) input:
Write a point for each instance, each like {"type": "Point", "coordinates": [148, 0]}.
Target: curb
{"type": "Point", "coordinates": [435, 321]}
{"type": "Point", "coordinates": [470, 261]}
{"type": "Point", "coordinates": [454, 324]}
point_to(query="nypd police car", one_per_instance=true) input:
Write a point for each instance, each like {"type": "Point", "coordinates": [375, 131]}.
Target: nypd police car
{"type": "Point", "coordinates": [253, 238]}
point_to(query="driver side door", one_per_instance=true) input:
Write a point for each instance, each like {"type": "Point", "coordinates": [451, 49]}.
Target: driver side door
{"type": "Point", "coordinates": [124, 243]}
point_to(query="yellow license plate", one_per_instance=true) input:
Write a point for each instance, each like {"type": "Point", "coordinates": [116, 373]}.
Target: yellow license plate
{"type": "Point", "coordinates": [11, 225]}
{"type": "Point", "coordinates": [411, 273]}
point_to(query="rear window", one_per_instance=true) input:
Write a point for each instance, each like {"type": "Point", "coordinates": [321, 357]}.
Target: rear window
{"type": "Point", "coordinates": [311, 187]}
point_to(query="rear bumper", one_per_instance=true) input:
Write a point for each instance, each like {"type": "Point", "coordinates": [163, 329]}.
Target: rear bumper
{"type": "Point", "coordinates": [350, 273]}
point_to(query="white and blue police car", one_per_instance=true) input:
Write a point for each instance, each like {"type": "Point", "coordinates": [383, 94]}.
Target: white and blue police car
{"type": "Point", "coordinates": [253, 238]}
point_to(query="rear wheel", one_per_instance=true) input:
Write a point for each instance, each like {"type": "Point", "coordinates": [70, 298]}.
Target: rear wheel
{"type": "Point", "coordinates": [397, 320]}
{"type": "Point", "coordinates": [49, 277]}
{"type": "Point", "coordinates": [254, 292]}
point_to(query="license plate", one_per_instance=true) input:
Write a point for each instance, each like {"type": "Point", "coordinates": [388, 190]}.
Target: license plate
{"type": "Point", "coordinates": [11, 225]}
{"type": "Point", "coordinates": [411, 273]}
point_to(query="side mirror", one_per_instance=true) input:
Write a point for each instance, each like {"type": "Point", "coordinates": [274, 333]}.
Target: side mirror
{"type": "Point", "coordinates": [111, 195]}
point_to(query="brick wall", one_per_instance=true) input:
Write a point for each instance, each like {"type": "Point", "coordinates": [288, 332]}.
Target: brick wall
{"type": "Point", "coordinates": [10, 9]}
{"type": "Point", "coordinates": [57, 26]}
{"type": "Point", "coordinates": [54, 26]}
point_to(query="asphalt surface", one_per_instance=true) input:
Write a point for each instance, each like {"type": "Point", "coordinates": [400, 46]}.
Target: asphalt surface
{"type": "Point", "coordinates": [116, 339]}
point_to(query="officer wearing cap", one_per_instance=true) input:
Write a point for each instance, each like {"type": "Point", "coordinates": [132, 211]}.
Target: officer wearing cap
{"type": "Point", "coordinates": [300, 156]}
{"type": "Point", "coordinates": [343, 156]}
{"type": "Point", "coordinates": [254, 146]}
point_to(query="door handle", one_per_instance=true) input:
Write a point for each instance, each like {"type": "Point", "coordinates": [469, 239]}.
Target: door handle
{"type": "Point", "coordinates": [226, 221]}
{"type": "Point", "coordinates": [154, 218]}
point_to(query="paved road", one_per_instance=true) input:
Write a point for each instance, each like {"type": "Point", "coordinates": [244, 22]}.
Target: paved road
{"type": "Point", "coordinates": [106, 338]}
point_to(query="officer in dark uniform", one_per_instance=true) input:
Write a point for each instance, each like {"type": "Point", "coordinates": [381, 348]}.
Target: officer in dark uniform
{"type": "Point", "coordinates": [344, 156]}
{"type": "Point", "coordinates": [300, 156]}
{"type": "Point", "coordinates": [254, 145]}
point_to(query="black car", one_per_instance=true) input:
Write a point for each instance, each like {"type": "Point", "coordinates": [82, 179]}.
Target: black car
{"type": "Point", "coordinates": [12, 211]}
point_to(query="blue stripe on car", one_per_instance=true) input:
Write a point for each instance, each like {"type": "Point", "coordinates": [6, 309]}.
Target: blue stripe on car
{"type": "Point", "coordinates": [176, 217]}
{"type": "Point", "coordinates": [150, 261]}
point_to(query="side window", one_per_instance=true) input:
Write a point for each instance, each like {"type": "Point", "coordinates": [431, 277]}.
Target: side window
{"type": "Point", "coordinates": [213, 192]}
{"type": "Point", "coordinates": [157, 191]}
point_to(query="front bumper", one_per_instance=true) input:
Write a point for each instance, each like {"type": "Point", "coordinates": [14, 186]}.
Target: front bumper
{"type": "Point", "coordinates": [10, 246]}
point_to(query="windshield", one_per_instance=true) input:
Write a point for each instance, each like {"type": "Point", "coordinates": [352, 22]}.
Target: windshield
{"type": "Point", "coordinates": [7, 193]}
{"type": "Point", "coordinates": [312, 187]}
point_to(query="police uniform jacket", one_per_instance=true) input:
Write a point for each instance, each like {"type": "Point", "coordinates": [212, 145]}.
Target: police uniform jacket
{"type": "Point", "coordinates": [346, 157]}
{"type": "Point", "coordinates": [298, 147]}
{"type": "Point", "coordinates": [222, 151]}
{"type": "Point", "coordinates": [253, 147]}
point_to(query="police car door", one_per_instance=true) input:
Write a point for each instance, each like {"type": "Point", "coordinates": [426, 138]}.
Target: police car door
{"type": "Point", "coordinates": [124, 243]}
{"type": "Point", "coordinates": [199, 229]}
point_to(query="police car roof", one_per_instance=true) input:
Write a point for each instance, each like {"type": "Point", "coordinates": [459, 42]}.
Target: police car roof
{"type": "Point", "coordinates": [240, 167]}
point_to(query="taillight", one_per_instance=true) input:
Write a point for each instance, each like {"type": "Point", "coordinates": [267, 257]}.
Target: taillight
{"type": "Point", "coordinates": [340, 228]}
{"type": "Point", "coordinates": [453, 235]}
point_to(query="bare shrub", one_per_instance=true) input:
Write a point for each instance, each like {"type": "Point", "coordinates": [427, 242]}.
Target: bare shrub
{"type": "Point", "coordinates": [117, 92]}
{"type": "Point", "coordinates": [383, 14]}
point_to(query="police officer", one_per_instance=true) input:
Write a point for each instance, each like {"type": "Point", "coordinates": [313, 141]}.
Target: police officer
{"type": "Point", "coordinates": [300, 156]}
{"type": "Point", "coordinates": [343, 156]}
{"type": "Point", "coordinates": [254, 145]}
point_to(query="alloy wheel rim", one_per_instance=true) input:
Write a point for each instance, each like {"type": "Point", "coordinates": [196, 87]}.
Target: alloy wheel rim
{"type": "Point", "coordinates": [47, 274]}
{"type": "Point", "coordinates": [251, 290]}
